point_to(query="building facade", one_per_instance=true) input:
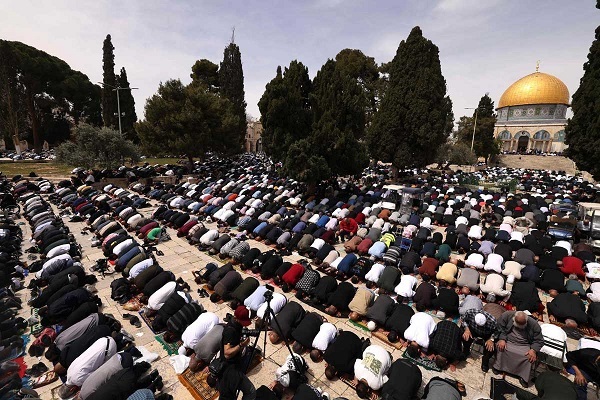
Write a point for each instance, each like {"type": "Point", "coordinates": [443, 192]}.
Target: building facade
{"type": "Point", "coordinates": [253, 140]}
{"type": "Point", "coordinates": [532, 115]}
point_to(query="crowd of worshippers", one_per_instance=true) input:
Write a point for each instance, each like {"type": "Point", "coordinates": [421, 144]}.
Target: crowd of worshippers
{"type": "Point", "coordinates": [278, 212]}
{"type": "Point", "coordinates": [89, 351]}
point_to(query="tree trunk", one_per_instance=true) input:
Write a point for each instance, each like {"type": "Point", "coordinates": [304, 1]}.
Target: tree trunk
{"type": "Point", "coordinates": [394, 170]}
{"type": "Point", "coordinates": [35, 124]}
{"type": "Point", "coordinates": [190, 166]}
{"type": "Point", "coordinates": [17, 143]}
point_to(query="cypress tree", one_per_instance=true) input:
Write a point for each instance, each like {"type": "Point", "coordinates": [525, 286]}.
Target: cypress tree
{"type": "Point", "coordinates": [415, 116]}
{"type": "Point", "coordinates": [286, 114]}
{"type": "Point", "coordinates": [128, 115]}
{"type": "Point", "coordinates": [583, 129]}
{"type": "Point", "coordinates": [109, 97]}
{"type": "Point", "coordinates": [231, 78]}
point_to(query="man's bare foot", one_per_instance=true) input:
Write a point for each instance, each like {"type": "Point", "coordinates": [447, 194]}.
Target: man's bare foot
{"type": "Point", "coordinates": [552, 318]}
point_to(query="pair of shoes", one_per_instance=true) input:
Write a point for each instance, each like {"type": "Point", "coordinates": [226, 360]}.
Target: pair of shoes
{"type": "Point", "coordinates": [523, 383]}
{"type": "Point", "coordinates": [203, 293]}
{"type": "Point", "coordinates": [36, 369]}
{"type": "Point", "coordinates": [157, 384]}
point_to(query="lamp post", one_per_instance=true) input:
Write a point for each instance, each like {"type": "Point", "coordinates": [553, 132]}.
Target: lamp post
{"type": "Point", "coordinates": [116, 89]}
{"type": "Point", "coordinates": [474, 125]}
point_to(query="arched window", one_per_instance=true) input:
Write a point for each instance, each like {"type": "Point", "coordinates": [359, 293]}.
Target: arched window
{"type": "Point", "coordinates": [522, 133]}
{"type": "Point", "coordinates": [559, 136]}
{"type": "Point", "coordinates": [542, 135]}
{"type": "Point", "coordinates": [504, 135]}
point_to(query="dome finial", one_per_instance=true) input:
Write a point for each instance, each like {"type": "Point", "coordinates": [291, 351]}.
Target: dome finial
{"type": "Point", "coordinates": [537, 66]}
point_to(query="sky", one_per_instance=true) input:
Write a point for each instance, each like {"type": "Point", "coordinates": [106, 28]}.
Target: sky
{"type": "Point", "coordinates": [485, 45]}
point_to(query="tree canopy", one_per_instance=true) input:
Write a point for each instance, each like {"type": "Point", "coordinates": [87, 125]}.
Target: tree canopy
{"type": "Point", "coordinates": [484, 145]}
{"type": "Point", "coordinates": [286, 115]}
{"type": "Point", "coordinates": [231, 81]}
{"type": "Point", "coordinates": [583, 129]}
{"type": "Point", "coordinates": [97, 147]}
{"type": "Point", "coordinates": [317, 128]}
{"type": "Point", "coordinates": [415, 116]}
{"type": "Point", "coordinates": [46, 87]}
{"type": "Point", "coordinates": [188, 120]}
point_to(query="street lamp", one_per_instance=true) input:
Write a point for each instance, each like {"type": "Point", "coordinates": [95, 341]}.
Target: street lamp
{"type": "Point", "coordinates": [474, 125]}
{"type": "Point", "coordinates": [116, 89]}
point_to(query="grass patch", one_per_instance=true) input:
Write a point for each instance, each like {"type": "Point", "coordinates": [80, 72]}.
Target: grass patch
{"type": "Point", "coordinates": [45, 169]}
{"type": "Point", "coordinates": [54, 169]}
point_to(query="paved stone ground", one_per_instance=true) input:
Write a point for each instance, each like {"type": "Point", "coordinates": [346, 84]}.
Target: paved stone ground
{"type": "Point", "coordinates": [182, 259]}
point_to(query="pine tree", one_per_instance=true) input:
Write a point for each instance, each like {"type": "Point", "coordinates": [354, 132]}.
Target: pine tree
{"type": "Point", "coordinates": [286, 114]}
{"type": "Point", "coordinates": [128, 115]}
{"type": "Point", "coordinates": [109, 97]}
{"type": "Point", "coordinates": [484, 145]}
{"type": "Point", "coordinates": [231, 79]}
{"type": "Point", "coordinates": [583, 129]}
{"type": "Point", "coordinates": [415, 116]}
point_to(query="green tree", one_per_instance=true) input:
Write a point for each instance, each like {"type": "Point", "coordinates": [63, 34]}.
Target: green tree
{"type": "Point", "coordinates": [415, 116]}
{"type": "Point", "coordinates": [205, 72]}
{"type": "Point", "coordinates": [128, 115]}
{"type": "Point", "coordinates": [109, 97]}
{"type": "Point", "coordinates": [485, 144]}
{"type": "Point", "coordinates": [97, 147]}
{"type": "Point", "coordinates": [187, 120]}
{"type": "Point", "coordinates": [231, 80]}
{"type": "Point", "coordinates": [340, 103]}
{"type": "Point", "coordinates": [13, 114]}
{"type": "Point", "coordinates": [455, 153]}
{"type": "Point", "coordinates": [49, 85]}
{"type": "Point", "coordinates": [285, 109]}
{"type": "Point", "coordinates": [583, 129]}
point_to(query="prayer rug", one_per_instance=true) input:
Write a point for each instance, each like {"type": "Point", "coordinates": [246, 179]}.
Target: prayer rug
{"type": "Point", "coordinates": [423, 362]}
{"type": "Point", "coordinates": [37, 328]}
{"type": "Point", "coordinates": [170, 348]}
{"type": "Point", "coordinates": [149, 320]}
{"type": "Point", "coordinates": [16, 353]}
{"type": "Point", "coordinates": [134, 303]}
{"type": "Point", "coordinates": [574, 333]}
{"type": "Point", "coordinates": [195, 382]}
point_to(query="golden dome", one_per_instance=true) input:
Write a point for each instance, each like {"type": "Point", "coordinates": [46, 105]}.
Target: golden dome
{"type": "Point", "coordinates": [536, 88]}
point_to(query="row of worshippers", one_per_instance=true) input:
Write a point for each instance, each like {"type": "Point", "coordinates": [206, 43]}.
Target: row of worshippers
{"type": "Point", "coordinates": [12, 274]}
{"type": "Point", "coordinates": [91, 353]}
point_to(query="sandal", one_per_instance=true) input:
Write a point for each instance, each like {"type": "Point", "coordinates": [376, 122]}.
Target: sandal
{"type": "Point", "coordinates": [36, 370]}
{"type": "Point", "coordinates": [135, 321]}
{"type": "Point", "coordinates": [45, 379]}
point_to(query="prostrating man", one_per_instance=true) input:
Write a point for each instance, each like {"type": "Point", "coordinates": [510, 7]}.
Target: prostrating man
{"type": "Point", "coordinates": [585, 365]}
{"type": "Point", "coordinates": [567, 308]}
{"type": "Point", "coordinates": [446, 344]}
{"type": "Point", "coordinates": [341, 355]}
{"type": "Point", "coordinates": [404, 381]}
{"type": "Point", "coordinates": [371, 370]}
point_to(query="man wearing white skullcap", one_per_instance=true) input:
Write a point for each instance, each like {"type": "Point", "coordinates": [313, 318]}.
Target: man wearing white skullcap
{"type": "Point", "coordinates": [479, 324]}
